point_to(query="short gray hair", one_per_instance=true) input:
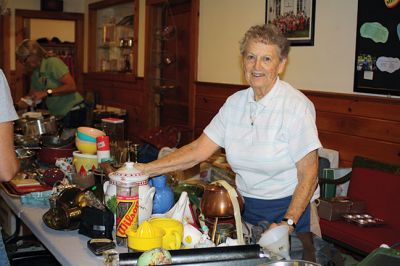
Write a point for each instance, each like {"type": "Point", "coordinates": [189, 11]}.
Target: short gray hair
{"type": "Point", "coordinates": [29, 47]}
{"type": "Point", "coordinates": [267, 34]}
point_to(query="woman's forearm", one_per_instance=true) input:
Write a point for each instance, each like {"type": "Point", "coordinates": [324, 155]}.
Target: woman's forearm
{"type": "Point", "coordinates": [68, 85]}
{"type": "Point", "coordinates": [9, 164]}
{"type": "Point", "coordinates": [183, 158]}
{"type": "Point", "coordinates": [307, 175]}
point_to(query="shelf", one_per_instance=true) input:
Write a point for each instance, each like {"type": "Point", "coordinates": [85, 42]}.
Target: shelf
{"type": "Point", "coordinates": [113, 43]}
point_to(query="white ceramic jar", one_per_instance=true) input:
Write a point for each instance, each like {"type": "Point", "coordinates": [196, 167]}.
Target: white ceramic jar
{"type": "Point", "coordinates": [129, 173]}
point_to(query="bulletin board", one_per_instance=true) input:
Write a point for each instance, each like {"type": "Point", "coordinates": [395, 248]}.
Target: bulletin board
{"type": "Point", "coordinates": [377, 64]}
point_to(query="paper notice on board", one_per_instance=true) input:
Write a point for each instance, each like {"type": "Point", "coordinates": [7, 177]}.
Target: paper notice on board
{"type": "Point", "coordinates": [368, 75]}
{"type": "Point", "coordinates": [375, 31]}
{"type": "Point", "coordinates": [388, 64]}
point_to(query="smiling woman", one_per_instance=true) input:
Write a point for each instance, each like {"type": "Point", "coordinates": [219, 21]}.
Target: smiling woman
{"type": "Point", "coordinates": [270, 138]}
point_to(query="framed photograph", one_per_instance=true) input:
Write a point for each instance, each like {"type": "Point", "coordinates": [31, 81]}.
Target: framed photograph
{"type": "Point", "coordinates": [295, 18]}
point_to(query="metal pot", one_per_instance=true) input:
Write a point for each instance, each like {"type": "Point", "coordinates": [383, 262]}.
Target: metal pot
{"type": "Point", "coordinates": [217, 203]}
{"type": "Point", "coordinates": [26, 158]}
{"type": "Point", "coordinates": [37, 127]}
{"type": "Point", "coordinates": [55, 141]}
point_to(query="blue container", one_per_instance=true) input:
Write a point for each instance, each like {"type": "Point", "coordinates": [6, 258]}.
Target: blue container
{"type": "Point", "coordinates": [164, 197]}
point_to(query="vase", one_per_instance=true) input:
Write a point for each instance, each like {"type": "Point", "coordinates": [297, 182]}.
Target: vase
{"type": "Point", "coordinates": [164, 196]}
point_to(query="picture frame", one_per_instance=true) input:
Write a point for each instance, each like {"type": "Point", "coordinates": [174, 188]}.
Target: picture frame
{"type": "Point", "coordinates": [295, 18]}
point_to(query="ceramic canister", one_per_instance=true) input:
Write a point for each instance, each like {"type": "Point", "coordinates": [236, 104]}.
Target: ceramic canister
{"type": "Point", "coordinates": [129, 173]}
{"type": "Point", "coordinates": [84, 162]}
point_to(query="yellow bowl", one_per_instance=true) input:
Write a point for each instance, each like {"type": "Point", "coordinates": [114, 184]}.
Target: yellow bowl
{"type": "Point", "coordinates": [146, 237]}
{"type": "Point", "coordinates": [85, 147]}
{"type": "Point", "coordinates": [91, 132]}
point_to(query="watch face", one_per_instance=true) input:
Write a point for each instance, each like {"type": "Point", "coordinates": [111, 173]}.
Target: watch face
{"type": "Point", "coordinates": [290, 221]}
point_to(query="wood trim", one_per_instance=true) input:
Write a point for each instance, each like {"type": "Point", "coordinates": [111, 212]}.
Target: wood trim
{"type": "Point", "coordinates": [48, 14]}
{"type": "Point", "coordinates": [194, 40]}
{"type": "Point", "coordinates": [106, 3]}
{"type": "Point", "coordinates": [110, 76]}
{"type": "Point", "coordinates": [352, 124]}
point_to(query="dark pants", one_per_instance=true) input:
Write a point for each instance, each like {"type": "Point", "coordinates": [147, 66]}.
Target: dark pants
{"type": "Point", "coordinates": [75, 118]}
{"type": "Point", "coordinates": [257, 210]}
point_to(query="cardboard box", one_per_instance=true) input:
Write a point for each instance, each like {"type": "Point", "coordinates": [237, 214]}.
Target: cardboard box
{"type": "Point", "coordinates": [334, 208]}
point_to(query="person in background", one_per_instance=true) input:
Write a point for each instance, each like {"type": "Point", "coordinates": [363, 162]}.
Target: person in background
{"type": "Point", "coordinates": [270, 138]}
{"type": "Point", "coordinates": [51, 80]}
{"type": "Point", "coordinates": [9, 164]}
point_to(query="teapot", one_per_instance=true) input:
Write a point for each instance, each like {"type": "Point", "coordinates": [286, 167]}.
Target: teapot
{"type": "Point", "coordinates": [129, 173]}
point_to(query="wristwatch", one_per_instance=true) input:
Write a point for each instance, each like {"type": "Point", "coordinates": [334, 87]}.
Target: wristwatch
{"type": "Point", "coordinates": [49, 92]}
{"type": "Point", "coordinates": [290, 222]}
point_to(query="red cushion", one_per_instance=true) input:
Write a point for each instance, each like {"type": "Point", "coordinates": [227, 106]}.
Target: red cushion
{"type": "Point", "coordinates": [380, 190]}
{"type": "Point", "coordinates": [365, 239]}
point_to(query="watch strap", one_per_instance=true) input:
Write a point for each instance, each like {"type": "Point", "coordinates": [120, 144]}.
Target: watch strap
{"type": "Point", "coordinates": [290, 222]}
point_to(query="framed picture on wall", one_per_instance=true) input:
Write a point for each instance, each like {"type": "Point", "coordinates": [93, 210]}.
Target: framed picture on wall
{"type": "Point", "coordinates": [295, 18]}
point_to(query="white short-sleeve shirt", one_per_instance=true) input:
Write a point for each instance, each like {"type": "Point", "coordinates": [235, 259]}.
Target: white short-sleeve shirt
{"type": "Point", "coordinates": [7, 110]}
{"type": "Point", "coordinates": [263, 140]}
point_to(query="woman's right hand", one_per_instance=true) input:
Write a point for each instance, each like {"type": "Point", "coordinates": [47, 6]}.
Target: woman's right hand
{"type": "Point", "coordinates": [140, 167]}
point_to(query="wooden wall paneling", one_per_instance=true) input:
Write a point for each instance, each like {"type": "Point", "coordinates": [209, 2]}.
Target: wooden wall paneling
{"type": "Point", "coordinates": [358, 125]}
{"type": "Point", "coordinates": [368, 106]}
{"type": "Point", "coordinates": [120, 92]}
{"type": "Point", "coordinates": [379, 129]}
{"type": "Point", "coordinates": [350, 146]}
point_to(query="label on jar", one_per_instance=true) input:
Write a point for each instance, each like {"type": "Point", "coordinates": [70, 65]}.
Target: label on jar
{"type": "Point", "coordinates": [127, 214]}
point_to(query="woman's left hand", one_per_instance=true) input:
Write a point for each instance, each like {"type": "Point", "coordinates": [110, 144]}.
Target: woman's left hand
{"type": "Point", "coordinates": [38, 95]}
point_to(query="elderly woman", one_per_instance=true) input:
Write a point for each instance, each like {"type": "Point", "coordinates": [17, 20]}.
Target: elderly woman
{"type": "Point", "coordinates": [51, 80]}
{"type": "Point", "coordinates": [269, 135]}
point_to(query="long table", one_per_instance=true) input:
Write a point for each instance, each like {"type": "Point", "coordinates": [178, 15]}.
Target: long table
{"type": "Point", "coordinates": [68, 247]}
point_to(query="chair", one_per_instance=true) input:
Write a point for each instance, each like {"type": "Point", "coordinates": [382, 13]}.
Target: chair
{"type": "Point", "coordinates": [376, 184]}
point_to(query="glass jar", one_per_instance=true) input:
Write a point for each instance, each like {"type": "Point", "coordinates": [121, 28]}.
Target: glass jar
{"type": "Point", "coordinates": [127, 209]}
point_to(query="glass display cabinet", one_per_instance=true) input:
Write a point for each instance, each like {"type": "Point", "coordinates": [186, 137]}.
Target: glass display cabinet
{"type": "Point", "coordinates": [113, 36]}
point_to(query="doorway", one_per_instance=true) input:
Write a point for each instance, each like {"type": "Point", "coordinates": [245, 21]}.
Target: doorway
{"type": "Point", "coordinates": [25, 19]}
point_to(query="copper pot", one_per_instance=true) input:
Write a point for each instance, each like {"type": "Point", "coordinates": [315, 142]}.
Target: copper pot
{"type": "Point", "coordinates": [217, 203]}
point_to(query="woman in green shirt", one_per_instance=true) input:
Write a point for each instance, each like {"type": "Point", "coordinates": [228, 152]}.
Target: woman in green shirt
{"type": "Point", "coordinates": [51, 80]}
